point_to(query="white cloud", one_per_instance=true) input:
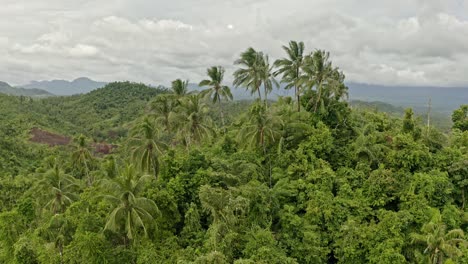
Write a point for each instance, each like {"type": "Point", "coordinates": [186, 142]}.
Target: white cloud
{"type": "Point", "coordinates": [82, 50]}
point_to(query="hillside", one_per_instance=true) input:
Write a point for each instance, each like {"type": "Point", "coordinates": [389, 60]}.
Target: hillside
{"type": "Point", "coordinates": [5, 88]}
{"type": "Point", "coordinates": [63, 87]}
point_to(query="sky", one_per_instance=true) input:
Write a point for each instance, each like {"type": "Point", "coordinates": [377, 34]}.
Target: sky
{"type": "Point", "coordinates": [392, 42]}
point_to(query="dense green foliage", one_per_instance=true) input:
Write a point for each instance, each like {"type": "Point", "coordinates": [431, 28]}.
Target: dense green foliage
{"type": "Point", "coordinates": [268, 182]}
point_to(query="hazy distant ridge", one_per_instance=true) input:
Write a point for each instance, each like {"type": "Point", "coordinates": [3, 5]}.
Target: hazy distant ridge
{"type": "Point", "coordinates": [63, 87]}
{"type": "Point", "coordinates": [5, 88]}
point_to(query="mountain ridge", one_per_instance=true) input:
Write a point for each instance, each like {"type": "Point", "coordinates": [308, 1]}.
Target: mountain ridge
{"type": "Point", "coordinates": [63, 87]}
{"type": "Point", "coordinates": [6, 88]}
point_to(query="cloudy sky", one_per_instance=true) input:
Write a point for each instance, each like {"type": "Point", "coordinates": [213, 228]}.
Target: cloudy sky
{"type": "Point", "coordinates": [413, 42]}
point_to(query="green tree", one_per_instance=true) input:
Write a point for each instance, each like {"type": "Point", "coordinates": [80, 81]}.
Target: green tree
{"type": "Point", "coordinates": [252, 74]}
{"type": "Point", "coordinates": [460, 118]}
{"type": "Point", "coordinates": [260, 128]}
{"type": "Point", "coordinates": [216, 91]}
{"type": "Point", "coordinates": [192, 121]}
{"type": "Point", "coordinates": [319, 73]}
{"type": "Point", "coordinates": [179, 88]}
{"type": "Point", "coordinates": [146, 146]}
{"type": "Point", "coordinates": [82, 159]}
{"type": "Point", "coordinates": [130, 212]}
{"type": "Point", "coordinates": [57, 188]}
{"type": "Point", "coordinates": [161, 108]}
{"type": "Point", "coordinates": [440, 244]}
{"type": "Point", "coordinates": [291, 68]}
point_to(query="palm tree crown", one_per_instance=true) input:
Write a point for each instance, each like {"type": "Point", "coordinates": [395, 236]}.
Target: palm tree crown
{"type": "Point", "coordinates": [130, 212]}
{"type": "Point", "coordinates": [215, 89]}
{"type": "Point", "coordinates": [146, 145]}
{"type": "Point", "coordinates": [179, 87]}
{"type": "Point", "coordinates": [291, 68]}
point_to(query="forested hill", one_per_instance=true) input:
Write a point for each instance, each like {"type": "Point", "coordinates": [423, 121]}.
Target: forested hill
{"type": "Point", "coordinates": [196, 178]}
{"type": "Point", "coordinates": [5, 88]}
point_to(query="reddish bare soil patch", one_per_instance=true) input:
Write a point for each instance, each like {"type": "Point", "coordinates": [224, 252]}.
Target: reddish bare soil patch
{"type": "Point", "coordinates": [45, 137]}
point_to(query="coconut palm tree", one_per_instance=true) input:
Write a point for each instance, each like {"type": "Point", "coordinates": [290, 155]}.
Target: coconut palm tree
{"type": "Point", "coordinates": [216, 91]}
{"type": "Point", "coordinates": [146, 145]}
{"type": "Point", "coordinates": [131, 213]}
{"type": "Point", "coordinates": [250, 75]}
{"type": "Point", "coordinates": [440, 243]}
{"type": "Point", "coordinates": [179, 88]}
{"type": "Point", "coordinates": [57, 188]}
{"type": "Point", "coordinates": [291, 68]}
{"type": "Point", "coordinates": [267, 76]}
{"type": "Point", "coordinates": [161, 108]}
{"type": "Point", "coordinates": [319, 73]}
{"type": "Point", "coordinates": [191, 119]}
{"type": "Point", "coordinates": [82, 158]}
{"type": "Point", "coordinates": [260, 127]}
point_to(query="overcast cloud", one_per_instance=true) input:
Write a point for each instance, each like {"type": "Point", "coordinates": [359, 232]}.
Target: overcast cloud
{"type": "Point", "coordinates": [412, 42]}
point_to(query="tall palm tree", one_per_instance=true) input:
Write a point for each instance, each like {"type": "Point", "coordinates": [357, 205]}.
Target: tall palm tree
{"type": "Point", "coordinates": [57, 188]}
{"type": "Point", "coordinates": [130, 212]}
{"type": "Point", "coordinates": [439, 243]}
{"type": "Point", "coordinates": [216, 91]}
{"type": "Point", "coordinates": [179, 88]}
{"type": "Point", "coordinates": [146, 146]}
{"type": "Point", "coordinates": [291, 68]}
{"type": "Point", "coordinates": [319, 73]}
{"type": "Point", "coordinates": [260, 128]}
{"type": "Point", "coordinates": [162, 107]}
{"type": "Point", "coordinates": [82, 158]}
{"type": "Point", "coordinates": [267, 77]}
{"type": "Point", "coordinates": [191, 119]}
{"type": "Point", "coordinates": [250, 75]}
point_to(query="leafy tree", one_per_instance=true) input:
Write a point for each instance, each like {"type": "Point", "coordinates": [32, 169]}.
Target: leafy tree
{"type": "Point", "coordinates": [216, 91]}
{"type": "Point", "coordinates": [192, 121]}
{"type": "Point", "coordinates": [319, 73]}
{"type": "Point", "coordinates": [162, 107]}
{"type": "Point", "coordinates": [179, 88]}
{"type": "Point", "coordinates": [291, 68]}
{"type": "Point", "coordinates": [255, 71]}
{"type": "Point", "coordinates": [440, 244]}
{"type": "Point", "coordinates": [82, 159]}
{"type": "Point", "coordinates": [146, 146]}
{"type": "Point", "coordinates": [460, 118]}
{"type": "Point", "coordinates": [57, 188]}
{"type": "Point", "coordinates": [260, 128]}
{"type": "Point", "coordinates": [130, 212]}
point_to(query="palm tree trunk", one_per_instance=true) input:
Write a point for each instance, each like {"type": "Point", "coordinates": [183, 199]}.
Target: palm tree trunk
{"type": "Point", "coordinates": [222, 113]}
{"type": "Point", "coordinates": [319, 91]}
{"type": "Point", "coordinates": [259, 94]}
{"type": "Point", "coordinates": [298, 98]}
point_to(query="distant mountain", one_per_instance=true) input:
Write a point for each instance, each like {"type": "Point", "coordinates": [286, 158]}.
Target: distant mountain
{"type": "Point", "coordinates": [443, 99]}
{"type": "Point", "coordinates": [63, 87]}
{"type": "Point", "coordinates": [5, 88]}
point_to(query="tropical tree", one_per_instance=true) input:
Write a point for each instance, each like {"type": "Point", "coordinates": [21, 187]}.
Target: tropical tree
{"type": "Point", "coordinates": [57, 188]}
{"type": "Point", "coordinates": [439, 243]}
{"type": "Point", "coordinates": [291, 68]}
{"type": "Point", "coordinates": [216, 91]}
{"type": "Point", "coordinates": [260, 127]}
{"type": "Point", "coordinates": [161, 108]}
{"type": "Point", "coordinates": [179, 88]}
{"type": "Point", "coordinates": [319, 73]}
{"type": "Point", "coordinates": [146, 146]}
{"type": "Point", "coordinates": [267, 77]}
{"type": "Point", "coordinates": [82, 158]}
{"type": "Point", "coordinates": [191, 119]}
{"type": "Point", "coordinates": [130, 212]}
{"type": "Point", "coordinates": [251, 74]}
